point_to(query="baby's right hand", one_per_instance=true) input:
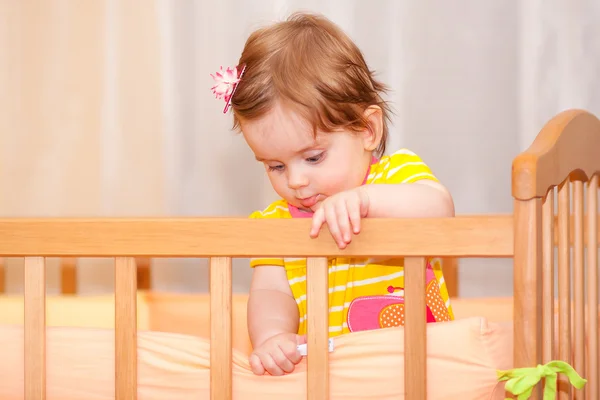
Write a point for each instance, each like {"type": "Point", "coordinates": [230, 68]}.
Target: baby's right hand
{"type": "Point", "coordinates": [277, 355]}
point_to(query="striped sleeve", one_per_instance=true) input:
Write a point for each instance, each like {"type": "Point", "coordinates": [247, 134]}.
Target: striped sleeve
{"type": "Point", "coordinates": [274, 210]}
{"type": "Point", "coordinates": [403, 166]}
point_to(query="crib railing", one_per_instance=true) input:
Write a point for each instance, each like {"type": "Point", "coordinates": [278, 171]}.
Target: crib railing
{"type": "Point", "coordinates": [563, 162]}
{"type": "Point", "coordinates": [222, 239]}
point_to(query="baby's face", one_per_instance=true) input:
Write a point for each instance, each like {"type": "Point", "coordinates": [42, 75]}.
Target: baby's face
{"type": "Point", "coordinates": [304, 170]}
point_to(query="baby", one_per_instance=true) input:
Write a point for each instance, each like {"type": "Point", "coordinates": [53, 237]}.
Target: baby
{"type": "Point", "coordinates": [311, 111]}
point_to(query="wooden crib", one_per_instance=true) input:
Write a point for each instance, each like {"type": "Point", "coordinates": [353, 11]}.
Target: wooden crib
{"type": "Point", "coordinates": [565, 155]}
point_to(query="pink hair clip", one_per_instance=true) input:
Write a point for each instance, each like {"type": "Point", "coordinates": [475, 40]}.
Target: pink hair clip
{"type": "Point", "coordinates": [227, 82]}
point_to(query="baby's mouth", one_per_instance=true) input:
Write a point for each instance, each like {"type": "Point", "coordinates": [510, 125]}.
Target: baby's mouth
{"type": "Point", "coordinates": [310, 202]}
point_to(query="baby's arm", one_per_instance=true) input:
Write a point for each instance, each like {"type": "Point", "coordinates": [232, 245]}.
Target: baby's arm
{"type": "Point", "coordinates": [272, 322]}
{"type": "Point", "coordinates": [342, 212]}
{"type": "Point", "coordinates": [271, 305]}
{"type": "Point", "coordinates": [421, 199]}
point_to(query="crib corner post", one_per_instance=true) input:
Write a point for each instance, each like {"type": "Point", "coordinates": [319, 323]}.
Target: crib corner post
{"type": "Point", "coordinates": [528, 285]}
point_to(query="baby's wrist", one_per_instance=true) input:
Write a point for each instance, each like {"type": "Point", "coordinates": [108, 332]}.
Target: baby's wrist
{"type": "Point", "coordinates": [365, 200]}
{"type": "Point", "coordinates": [265, 337]}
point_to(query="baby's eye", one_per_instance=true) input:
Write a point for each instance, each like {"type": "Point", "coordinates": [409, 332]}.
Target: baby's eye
{"type": "Point", "coordinates": [314, 159]}
{"type": "Point", "coordinates": [276, 168]}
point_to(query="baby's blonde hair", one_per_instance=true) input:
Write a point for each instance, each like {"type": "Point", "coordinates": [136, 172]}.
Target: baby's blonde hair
{"type": "Point", "coordinates": [312, 66]}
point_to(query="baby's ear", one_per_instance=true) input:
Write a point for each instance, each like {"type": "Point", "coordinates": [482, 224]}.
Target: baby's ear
{"type": "Point", "coordinates": [372, 136]}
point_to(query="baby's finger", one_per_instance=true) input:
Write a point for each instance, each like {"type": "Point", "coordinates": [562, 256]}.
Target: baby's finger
{"type": "Point", "coordinates": [354, 216]}
{"type": "Point", "coordinates": [282, 361]}
{"type": "Point", "coordinates": [317, 222]}
{"type": "Point", "coordinates": [290, 351]}
{"type": "Point", "coordinates": [332, 224]}
{"type": "Point", "coordinates": [343, 222]}
{"type": "Point", "coordinates": [270, 365]}
{"type": "Point", "coordinates": [256, 365]}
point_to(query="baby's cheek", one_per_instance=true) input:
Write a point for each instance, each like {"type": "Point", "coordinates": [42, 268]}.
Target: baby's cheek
{"type": "Point", "coordinates": [283, 191]}
{"type": "Point", "coordinates": [336, 182]}
{"type": "Point", "coordinates": [279, 183]}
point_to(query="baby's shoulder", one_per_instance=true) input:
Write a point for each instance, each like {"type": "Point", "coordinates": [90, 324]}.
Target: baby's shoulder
{"type": "Point", "coordinates": [402, 166]}
{"type": "Point", "coordinates": [399, 157]}
{"type": "Point", "coordinates": [277, 209]}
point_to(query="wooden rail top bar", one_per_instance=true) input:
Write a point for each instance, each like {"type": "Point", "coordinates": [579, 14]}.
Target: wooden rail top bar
{"type": "Point", "coordinates": [465, 236]}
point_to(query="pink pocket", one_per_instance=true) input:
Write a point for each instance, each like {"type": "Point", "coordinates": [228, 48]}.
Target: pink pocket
{"type": "Point", "coordinates": [364, 312]}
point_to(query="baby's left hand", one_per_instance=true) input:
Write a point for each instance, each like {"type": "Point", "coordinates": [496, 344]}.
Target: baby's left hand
{"type": "Point", "coordinates": [342, 213]}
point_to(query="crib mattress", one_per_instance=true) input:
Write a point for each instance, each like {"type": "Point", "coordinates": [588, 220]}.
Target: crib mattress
{"type": "Point", "coordinates": [463, 357]}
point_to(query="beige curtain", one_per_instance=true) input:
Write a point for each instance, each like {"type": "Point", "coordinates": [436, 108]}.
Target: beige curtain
{"type": "Point", "coordinates": [81, 109]}
{"type": "Point", "coordinates": [81, 115]}
{"type": "Point", "coordinates": [105, 108]}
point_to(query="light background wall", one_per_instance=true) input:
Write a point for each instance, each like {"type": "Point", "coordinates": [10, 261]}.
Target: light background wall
{"type": "Point", "coordinates": [105, 107]}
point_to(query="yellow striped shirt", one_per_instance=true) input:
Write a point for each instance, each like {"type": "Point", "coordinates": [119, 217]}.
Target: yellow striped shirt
{"type": "Point", "coordinates": [364, 294]}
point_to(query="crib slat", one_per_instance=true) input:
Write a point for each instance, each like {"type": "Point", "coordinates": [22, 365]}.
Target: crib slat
{"type": "Point", "coordinates": [578, 279]}
{"type": "Point", "coordinates": [68, 275]}
{"type": "Point", "coordinates": [564, 286]}
{"type": "Point", "coordinates": [593, 373]}
{"type": "Point", "coordinates": [144, 273]}
{"type": "Point", "coordinates": [527, 282]}
{"type": "Point", "coordinates": [35, 328]}
{"type": "Point", "coordinates": [125, 329]}
{"type": "Point", "coordinates": [220, 328]}
{"type": "Point", "coordinates": [2, 276]}
{"type": "Point", "coordinates": [415, 332]}
{"type": "Point", "coordinates": [317, 310]}
{"type": "Point", "coordinates": [548, 276]}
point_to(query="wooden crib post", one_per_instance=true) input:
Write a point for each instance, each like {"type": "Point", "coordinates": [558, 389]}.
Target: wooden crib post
{"type": "Point", "coordinates": [34, 280]}
{"type": "Point", "coordinates": [578, 279]}
{"type": "Point", "coordinates": [548, 238]}
{"type": "Point", "coordinates": [221, 343]}
{"type": "Point", "coordinates": [415, 332]}
{"type": "Point", "coordinates": [593, 387]}
{"type": "Point", "coordinates": [317, 312]}
{"type": "Point", "coordinates": [528, 285]}
{"type": "Point", "coordinates": [564, 285]}
{"type": "Point", "coordinates": [125, 329]}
